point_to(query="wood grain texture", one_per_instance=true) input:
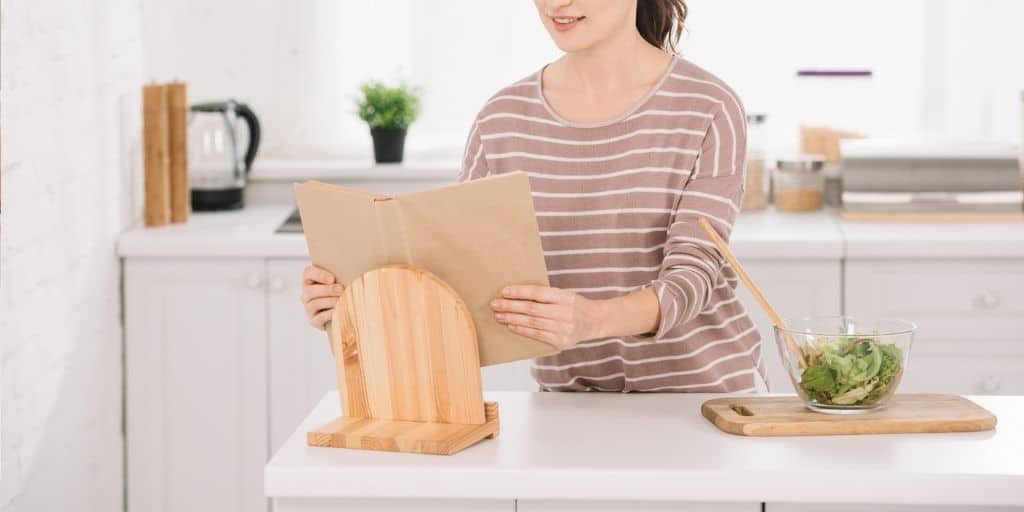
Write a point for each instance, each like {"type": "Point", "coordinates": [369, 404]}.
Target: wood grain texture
{"type": "Point", "coordinates": [403, 436]}
{"type": "Point", "coordinates": [408, 337]}
{"type": "Point", "coordinates": [344, 345]}
{"type": "Point", "coordinates": [156, 158]}
{"type": "Point", "coordinates": [408, 367]}
{"type": "Point", "coordinates": [787, 416]}
{"type": "Point", "coordinates": [177, 119]}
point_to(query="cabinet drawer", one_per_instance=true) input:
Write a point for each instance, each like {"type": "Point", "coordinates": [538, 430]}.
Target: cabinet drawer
{"type": "Point", "coordinates": [958, 301]}
{"type": "Point", "coordinates": [631, 506]}
{"type": "Point", "coordinates": [963, 374]}
{"type": "Point", "coordinates": [879, 507]}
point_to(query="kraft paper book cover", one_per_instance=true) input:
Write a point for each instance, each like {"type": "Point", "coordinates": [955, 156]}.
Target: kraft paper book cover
{"type": "Point", "coordinates": [477, 236]}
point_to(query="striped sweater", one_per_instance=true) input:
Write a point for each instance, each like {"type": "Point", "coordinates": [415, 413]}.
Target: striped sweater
{"type": "Point", "coordinates": [617, 204]}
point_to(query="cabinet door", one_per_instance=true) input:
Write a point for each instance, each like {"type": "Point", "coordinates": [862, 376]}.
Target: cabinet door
{"type": "Point", "coordinates": [873, 507]}
{"type": "Point", "coordinates": [631, 506]}
{"type": "Point", "coordinates": [195, 385]}
{"type": "Point", "coordinates": [969, 314]}
{"type": "Point", "coordinates": [301, 364]}
{"type": "Point", "coordinates": [795, 289]}
{"type": "Point", "coordinates": [391, 505]}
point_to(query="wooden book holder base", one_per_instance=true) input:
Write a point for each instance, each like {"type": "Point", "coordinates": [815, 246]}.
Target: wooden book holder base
{"type": "Point", "coordinates": [408, 367]}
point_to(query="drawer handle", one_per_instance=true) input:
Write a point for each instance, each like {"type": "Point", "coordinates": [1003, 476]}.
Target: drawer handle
{"type": "Point", "coordinates": [254, 281]}
{"type": "Point", "coordinates": [987, 300]}
{"type": "Point", "coordinates": [990, 385]}
{"type": "Point", "coordinates": [277, 284]}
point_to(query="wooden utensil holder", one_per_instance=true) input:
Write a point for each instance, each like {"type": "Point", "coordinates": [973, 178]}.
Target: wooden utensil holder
{"type": "Point", "coordinates": [408, 367]}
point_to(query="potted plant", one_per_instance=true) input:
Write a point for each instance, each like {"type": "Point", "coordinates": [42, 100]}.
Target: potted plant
{"type": "Point", "coordinates": [389, 111]}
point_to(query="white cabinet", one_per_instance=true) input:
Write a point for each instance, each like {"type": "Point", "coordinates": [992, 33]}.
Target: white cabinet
{"type": "Point", "coordinates": [874, 507]}
{"type": "Point", "coordinates": [301, 365]}
{"type": "Point", "coordinates": [631, 506]}
{"type": "Point", "coordinates": [969, 313]}
{"type": "Point", "coordinates": [195, 367]}
{"type": "Point", "coordinates": [795, 289]}
{"type": "Point", "coordinates": [392, 505]}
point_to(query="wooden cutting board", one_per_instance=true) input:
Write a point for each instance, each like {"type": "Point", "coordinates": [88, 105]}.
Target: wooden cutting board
{"type": "Point", "coordinates": [787, 416]}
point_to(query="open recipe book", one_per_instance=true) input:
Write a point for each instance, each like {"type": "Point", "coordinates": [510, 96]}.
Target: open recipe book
{"type": "Point", "coordinates": [477, 236]}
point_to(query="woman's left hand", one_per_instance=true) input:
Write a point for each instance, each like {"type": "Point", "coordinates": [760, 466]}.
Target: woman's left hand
{"type": "Point", "coordinates": [552, 315]}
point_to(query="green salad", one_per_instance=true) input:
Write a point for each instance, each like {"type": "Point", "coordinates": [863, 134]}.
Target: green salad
{"type": "Point", "coordinates": [850, 370]}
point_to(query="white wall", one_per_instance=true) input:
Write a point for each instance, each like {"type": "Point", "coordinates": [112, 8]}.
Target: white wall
{"type": "Point", "coordinates": [979, 83]}
{"type": "Point", "coordinates": [299, 64]}
{"type": "Point", "coordinates": [758, 46]}
{"type": "Point", "coordinates": [70, 78]}
{"type": "Point", "coordinates": [943, 68]}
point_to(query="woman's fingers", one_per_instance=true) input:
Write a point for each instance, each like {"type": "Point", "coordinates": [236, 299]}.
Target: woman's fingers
{"type": "Point", "coordinates": [320, 319]}
{"type": "Point", "coordinates": [535, 293]}
{"type": "Point", "coordinates": [320, 293]}
{"type": "Point", "coordinates": [315, 306]}
{"type": "Point", "coordinates": [313, 275]}
{"type": "Point", "coordinates": [535, 322]}
{"type": "Point", "coordinates": [537, 334]}
{"type": "Point", "coordinates": [528, 307]}
{"type": "Point", "coordinates": [316, 291]}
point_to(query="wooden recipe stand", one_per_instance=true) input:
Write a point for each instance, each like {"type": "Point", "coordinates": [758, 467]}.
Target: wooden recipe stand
{"type": "Point", "coordinates": [408, 367]}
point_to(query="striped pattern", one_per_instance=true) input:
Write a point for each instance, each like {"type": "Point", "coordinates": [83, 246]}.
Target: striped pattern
{"type": "Point", "coordinates": [617, 204]}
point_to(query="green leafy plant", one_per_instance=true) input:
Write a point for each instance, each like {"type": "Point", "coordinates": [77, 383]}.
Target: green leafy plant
{"type": "Point", "coordinates": [387, 107]}
{"type": "Point", "coordinates": [850, 370]}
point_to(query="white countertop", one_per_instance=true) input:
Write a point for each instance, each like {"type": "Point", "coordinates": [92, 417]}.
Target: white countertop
{"type": "Point", "coordinates": [249, 233]}
{"type": "Point", "coordinates": [245, 233]}
{"type": "Point", "coordinates": [607, 446]}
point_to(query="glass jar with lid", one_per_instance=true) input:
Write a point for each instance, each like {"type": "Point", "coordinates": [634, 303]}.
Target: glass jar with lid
{"type": "Point", "coordinates": [755, 196]}
{"type": "Point", "coordinates": [798, 183]}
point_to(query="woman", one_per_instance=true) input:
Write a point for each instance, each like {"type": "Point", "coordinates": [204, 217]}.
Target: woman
{"type": "Point", "coordinates": [626, 146]}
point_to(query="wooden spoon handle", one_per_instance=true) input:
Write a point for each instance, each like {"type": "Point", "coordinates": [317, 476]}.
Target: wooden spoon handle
{"type": "Point", "coordinates": [754, 290]}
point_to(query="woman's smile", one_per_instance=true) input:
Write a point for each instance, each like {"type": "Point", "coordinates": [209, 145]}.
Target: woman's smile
{"type": "Point", "coordinates": [564, 23]}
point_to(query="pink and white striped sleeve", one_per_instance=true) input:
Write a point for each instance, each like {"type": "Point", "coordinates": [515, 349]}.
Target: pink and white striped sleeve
{"type": "Point", "coordinates": [474, 162]}
{"type": "Point", "coordinates": [692, 265]}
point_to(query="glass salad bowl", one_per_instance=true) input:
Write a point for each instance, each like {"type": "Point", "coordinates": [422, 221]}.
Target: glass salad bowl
{"type": "Point", "coordinates": [842, 364]}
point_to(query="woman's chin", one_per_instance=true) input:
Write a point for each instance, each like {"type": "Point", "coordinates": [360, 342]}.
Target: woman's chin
{"type": "Point", "coordinates": [572, 43]}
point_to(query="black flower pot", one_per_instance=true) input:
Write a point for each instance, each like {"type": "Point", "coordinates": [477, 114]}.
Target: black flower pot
{"type": "Point", "coordinates": [388, 144]}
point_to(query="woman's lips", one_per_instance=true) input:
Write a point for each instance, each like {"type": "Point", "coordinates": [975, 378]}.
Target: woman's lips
{"type": "Point", "coordinates": [564, 23]}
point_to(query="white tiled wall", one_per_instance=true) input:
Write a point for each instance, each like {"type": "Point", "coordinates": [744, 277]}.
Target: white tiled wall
{"type": "Point", "coordinates": [70, 124]}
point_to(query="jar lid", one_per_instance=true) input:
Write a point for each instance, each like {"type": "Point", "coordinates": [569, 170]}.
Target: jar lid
{"type": "Point", "coordinates": [801, 163]}
{"type": "Point", "coordinates": [756, 118]}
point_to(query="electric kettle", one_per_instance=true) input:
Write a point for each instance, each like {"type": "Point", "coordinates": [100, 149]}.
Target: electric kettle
{"type": "Point", "coordinates": [217, 164]}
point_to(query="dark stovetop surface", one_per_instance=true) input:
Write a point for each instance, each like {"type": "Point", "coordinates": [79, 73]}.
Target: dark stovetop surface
{"type": "Point", "coordinates": [293, 224]}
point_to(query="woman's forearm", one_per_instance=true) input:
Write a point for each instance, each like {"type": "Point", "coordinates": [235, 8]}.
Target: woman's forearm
{"type": "Point", "coordinates": [629, 315]}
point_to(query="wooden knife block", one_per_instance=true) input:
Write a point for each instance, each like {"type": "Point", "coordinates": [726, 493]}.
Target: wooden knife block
{"type": "Point", "coordinates": [408, 367]}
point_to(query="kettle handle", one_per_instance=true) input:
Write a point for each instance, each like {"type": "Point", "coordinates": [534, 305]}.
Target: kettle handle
{"type": "Point", "coordinates": [253, 123]}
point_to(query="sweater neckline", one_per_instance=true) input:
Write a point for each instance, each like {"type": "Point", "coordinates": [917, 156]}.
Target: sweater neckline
{"type": "Point", "coordinates": [598, 124]}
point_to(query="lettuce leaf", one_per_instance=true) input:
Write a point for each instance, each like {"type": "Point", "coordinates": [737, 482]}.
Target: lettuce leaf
{"type": "Point", "coordinates": [851, 370]}
{"type": "Point", "coordinates": [818, 378]}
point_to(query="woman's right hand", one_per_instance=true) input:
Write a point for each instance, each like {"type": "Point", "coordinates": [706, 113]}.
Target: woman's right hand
{"type": "Point", "coordinates": [320, 293]}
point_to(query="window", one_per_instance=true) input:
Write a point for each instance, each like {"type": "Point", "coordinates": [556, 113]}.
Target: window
{"type": "Point", "coordinates": [942, 68]}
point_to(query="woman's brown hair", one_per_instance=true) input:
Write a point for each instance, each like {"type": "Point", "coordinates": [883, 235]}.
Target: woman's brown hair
{"type": "Point", "coordinates": [660, 22]}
